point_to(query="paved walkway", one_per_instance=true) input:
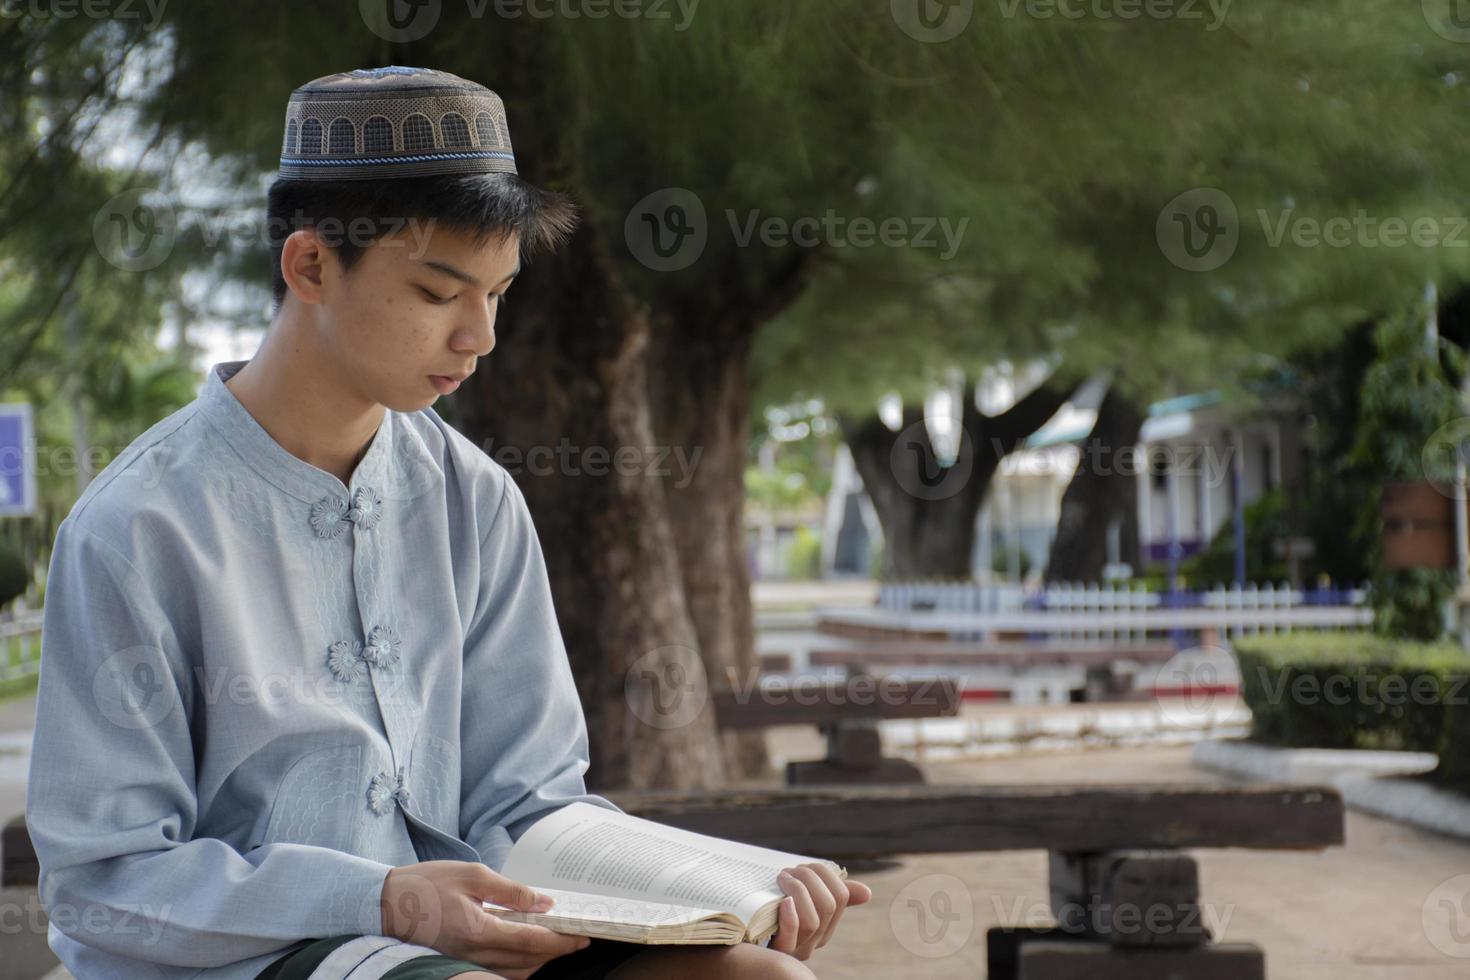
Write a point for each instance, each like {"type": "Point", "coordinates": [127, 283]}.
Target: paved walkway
{"type": "Point", "coordinates": [1351, 913]}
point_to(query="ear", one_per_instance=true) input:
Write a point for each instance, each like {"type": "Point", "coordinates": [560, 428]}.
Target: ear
{"type": "Point", "coordinates": [305, 261]}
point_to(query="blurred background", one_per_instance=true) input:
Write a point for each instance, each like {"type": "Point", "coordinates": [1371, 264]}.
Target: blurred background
{"type": "Point", "coordinates": [1104, 358]}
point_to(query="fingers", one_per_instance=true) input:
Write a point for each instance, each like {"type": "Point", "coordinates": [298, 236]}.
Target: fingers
{"type": "Point", "coordinates": [822, 904]}
{"type": "Point", "coordinates": [787, 926]}
{"type": "Point", "coordinates": [858, 893]}
{"type": "Point", "coordinates": [512, 894]}
{"type": "Point", "coordinates": [836, 891]}
{"type": "Point", "coordinates": [807, 913]}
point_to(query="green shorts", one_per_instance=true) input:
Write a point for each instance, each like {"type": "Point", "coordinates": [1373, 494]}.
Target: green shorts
{"type": "Point", "coordinates": [593, 963]}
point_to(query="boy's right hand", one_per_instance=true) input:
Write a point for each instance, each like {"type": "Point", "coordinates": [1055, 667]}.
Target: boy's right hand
{"type": "Point", "coordinates": [437, 904]}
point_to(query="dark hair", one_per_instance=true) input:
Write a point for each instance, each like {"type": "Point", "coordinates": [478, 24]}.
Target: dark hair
{"type": "Point", "coordinates": [355, 213]}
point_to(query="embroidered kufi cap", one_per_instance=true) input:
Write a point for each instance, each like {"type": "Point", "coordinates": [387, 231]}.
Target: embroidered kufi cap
{"type": "Point", "coordinates": [394, 122]}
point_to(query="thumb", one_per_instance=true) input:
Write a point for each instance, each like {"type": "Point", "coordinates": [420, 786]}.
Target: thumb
{"type": "Point", "coordinates": [858, 893]}
{"type": "Point", "coordinates": [512, 894]}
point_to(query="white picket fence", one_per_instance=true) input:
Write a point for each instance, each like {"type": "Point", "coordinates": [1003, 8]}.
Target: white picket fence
{"type": "Point", "coordinates": [20, 646]}
{"type": "Point", "coordinates": [1112, 613]}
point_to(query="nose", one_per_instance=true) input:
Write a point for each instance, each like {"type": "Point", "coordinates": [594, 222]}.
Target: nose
{"type": "Point", "coordinates": [477, 336]}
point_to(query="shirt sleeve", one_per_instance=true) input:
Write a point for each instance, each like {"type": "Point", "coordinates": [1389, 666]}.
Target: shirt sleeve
{"type": "Point", "coordinates": [523, 736]}
{"type": "Point", "coordinates": [111, 806]}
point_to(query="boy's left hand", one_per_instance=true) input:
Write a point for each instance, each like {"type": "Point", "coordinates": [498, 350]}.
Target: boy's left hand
{"type": "Point", "coordinates": [805, 920]}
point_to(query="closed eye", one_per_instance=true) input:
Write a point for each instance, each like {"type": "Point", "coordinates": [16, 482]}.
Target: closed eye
{"type": "Point", "coordinates": [434, 298]}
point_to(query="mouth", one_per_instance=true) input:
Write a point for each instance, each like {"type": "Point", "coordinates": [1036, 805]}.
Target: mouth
{"type": "Point", "coordinates": [447, 384]}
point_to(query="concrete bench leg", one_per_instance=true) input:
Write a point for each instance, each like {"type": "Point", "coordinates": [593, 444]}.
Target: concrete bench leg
{"type": "Point", "coordinates": [854, 755]}
{"type": "Point", "coordinates": [1131, 914]}
{"type": "Point", "coordinates": [1129, 898]}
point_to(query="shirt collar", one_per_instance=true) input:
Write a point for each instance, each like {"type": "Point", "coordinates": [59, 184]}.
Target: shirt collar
{"type": "Point", "coordinates": [272, 461]}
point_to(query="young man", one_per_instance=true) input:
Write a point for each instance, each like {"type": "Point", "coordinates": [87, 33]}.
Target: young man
{"type": "Point", "coordinates": [302, 683]}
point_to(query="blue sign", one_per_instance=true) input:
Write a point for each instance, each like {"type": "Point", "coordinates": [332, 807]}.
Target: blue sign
{"type": "Point", "coordinates": [17, 461]}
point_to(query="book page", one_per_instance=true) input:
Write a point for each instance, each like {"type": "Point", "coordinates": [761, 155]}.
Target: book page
{"type": "Point", "coordinates": [603, 908]}
{"type": "Point", "coordinates": [589, 848]}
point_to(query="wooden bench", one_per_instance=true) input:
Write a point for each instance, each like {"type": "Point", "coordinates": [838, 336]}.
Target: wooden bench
{"type": "Point", "coordinates": [1125, 895]}
{"type": "Point", "coordinates": [847, 712]}
{"type": "Point", "coordinates": [1116, 857]}
{"type": "Point", "coordinates": [1098, 660]}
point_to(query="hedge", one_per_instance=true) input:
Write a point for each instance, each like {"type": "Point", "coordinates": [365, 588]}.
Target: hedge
{"type": "Point", "coordinates": [1360, 691]}
{"type": "Point", "coordinates": [1454, 748]}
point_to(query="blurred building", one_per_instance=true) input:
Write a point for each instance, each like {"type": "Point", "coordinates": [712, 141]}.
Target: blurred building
{"type": "Point", "coordinates": [1198, 457]}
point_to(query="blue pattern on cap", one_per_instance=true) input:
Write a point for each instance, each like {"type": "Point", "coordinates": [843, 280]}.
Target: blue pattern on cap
{"type": "Point", "coordinates": [388, 70]}
{"type": "Point", "coordinates": [358, 161]}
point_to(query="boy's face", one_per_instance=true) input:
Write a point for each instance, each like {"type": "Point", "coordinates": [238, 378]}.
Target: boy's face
{"type": "Point", "coordinates": [417, 309]}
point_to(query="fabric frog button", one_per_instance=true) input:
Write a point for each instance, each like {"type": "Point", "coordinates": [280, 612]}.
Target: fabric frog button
{"type": "Point", "coordinates": [345, 660]}
{"type": "Point", "coordinates": [367, 508]}
{"type": "Point", "coordinates": [382, 646]}
{"type": "Point", "coordinates": [329, 516]}
{"type": "Point", "coordinates": [384, 790]}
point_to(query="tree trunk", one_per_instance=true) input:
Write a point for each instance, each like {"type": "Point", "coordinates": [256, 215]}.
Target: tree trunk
{"type": "Point", "coordinates": [702, 420]}
{"type": "Point", "coordinates": [1102, 491]}
{"type": "Point", "coordinates": [928, 510]}
{"type": "Point", "coordinates": [569, 376]}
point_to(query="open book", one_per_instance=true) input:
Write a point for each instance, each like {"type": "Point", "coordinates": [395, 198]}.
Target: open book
{"type": "Point", "coordinates": [616, 876]}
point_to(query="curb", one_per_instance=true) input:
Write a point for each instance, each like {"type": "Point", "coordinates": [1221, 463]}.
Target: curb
{"type": "Point", "coordinates": [1372, 782]}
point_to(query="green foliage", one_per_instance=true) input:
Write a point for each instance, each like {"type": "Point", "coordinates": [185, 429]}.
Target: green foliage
{"type": "Point", "coordinates": [1406, 397]}
{"type": "Point", "coordinates": [777, 492]}
{"type": "Point", "coordinates": [1050, 146]}
{"type": "Point", "coordinates": [1266, 525]}
{"type": "Point", "coordinates": [1000, 562]}
{"type": "Point", "coordinates": [1410, 602]}
{"type": "Point", "coordinates": [1352, 690]}
{"type": "Point", "coordinates": [804, 559]}
{"type": "Point", "coordinates": [801, 439]}
{"type": "Point", "coordinates": [1454, 744]}
{"type": "Point", "coordinates": [1064, 176]}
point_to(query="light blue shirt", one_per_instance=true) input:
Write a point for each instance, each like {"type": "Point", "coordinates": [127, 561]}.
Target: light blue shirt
{"type": "Point", "coordinates": [261, 689]}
